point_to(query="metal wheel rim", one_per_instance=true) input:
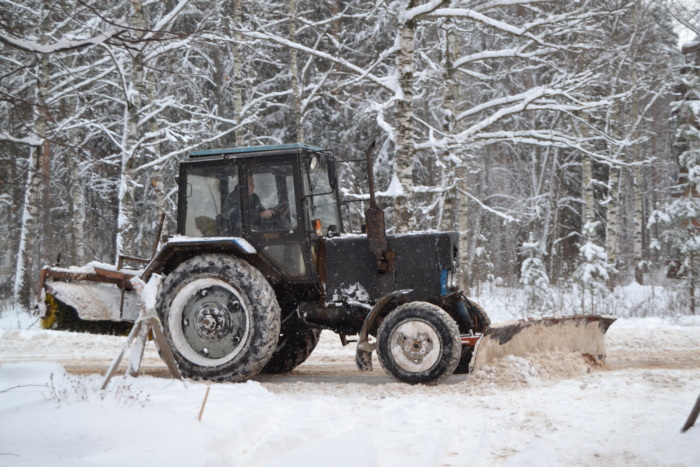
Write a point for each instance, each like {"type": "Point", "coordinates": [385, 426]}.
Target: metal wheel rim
{"type": "Point", "coordinates": [209, 322]}
{"type": "Point", "coordinates": [415, 346]}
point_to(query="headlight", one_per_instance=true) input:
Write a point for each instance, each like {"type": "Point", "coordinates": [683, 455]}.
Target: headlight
{"type": "Point", "coordinates": [452, 281]}
{"type": "Point", "coordinates": [455, 281]}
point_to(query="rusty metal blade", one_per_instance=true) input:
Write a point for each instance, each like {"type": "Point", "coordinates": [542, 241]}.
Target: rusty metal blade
{"type": "Point", "coordinates": [94, 301]}
{"type": "Point", "coordinates": [582, 333]}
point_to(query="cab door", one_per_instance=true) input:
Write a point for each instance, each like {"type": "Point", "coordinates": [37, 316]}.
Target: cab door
{"type": "Point", "coordinates": [272, 217]}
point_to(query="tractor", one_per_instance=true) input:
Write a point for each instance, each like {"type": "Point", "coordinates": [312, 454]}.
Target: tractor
{"type": "Point", "coordinates": [261, 263]}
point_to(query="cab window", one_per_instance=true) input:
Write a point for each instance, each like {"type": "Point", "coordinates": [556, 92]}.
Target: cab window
{"type": "Point", "coordinates": [272, 198]}
{"type": "Point", "coordinates": [322, 204]}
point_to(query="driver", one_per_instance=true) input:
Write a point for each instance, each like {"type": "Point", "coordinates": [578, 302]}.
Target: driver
{"type": "Point", "coordinates": [255, 203]}
{"type": "Point", "coordinates": [258, 212]}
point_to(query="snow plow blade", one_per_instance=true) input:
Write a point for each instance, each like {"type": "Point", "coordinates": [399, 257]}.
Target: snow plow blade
{"type": "Point", "coordinates": [584, 334]}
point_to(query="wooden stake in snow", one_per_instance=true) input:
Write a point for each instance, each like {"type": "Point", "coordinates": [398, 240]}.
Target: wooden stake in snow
{"type": "Point", "coordinates": [146, 322]}
{"type": "Point", "coordinates": [692, 417]}
{"type": "Point", "coordinates": [204, 402]}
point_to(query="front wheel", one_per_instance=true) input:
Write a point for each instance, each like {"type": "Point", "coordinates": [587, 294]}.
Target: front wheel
{"type": "Point", "coordinates": [220, 318]}
{"type": "Point", "coordinates": [419, 343]}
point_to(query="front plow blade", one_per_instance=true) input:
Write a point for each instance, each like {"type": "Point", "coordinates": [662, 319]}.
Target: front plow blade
{"type": "Point", "coordinates": [584, 334]}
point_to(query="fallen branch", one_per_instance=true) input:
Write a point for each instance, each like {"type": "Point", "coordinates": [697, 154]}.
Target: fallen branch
{"type": "Point", "coordinates": [204, 402]}
{"type": "Point", "coordinates": [692, 417]}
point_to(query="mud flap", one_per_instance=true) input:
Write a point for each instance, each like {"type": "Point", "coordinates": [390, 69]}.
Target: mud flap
{"type": "Point", "coordinates": [584, 334]}
{"type": "Point", "coordinates": [363, 357]}
{"type": "Point", "coordinates": [363, 354]}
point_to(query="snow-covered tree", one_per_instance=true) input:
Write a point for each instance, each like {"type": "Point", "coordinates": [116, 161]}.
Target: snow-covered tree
{"type": "Point", "coordinates": [680, 216]}
{"type": "Point", "coordinates": [593, 272]}
{"type": "Point", "coordinates": [496, 119]}
{"type": "Point", "coordinates": [33, 37]}
{"type": "Point", "coordinates": [533, 277]}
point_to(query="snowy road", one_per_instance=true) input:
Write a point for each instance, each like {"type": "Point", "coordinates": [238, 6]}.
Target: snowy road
{"type": "Point", "coordinates": [630, 345]}
{"type": "Point", "coordinates": [549, 411]}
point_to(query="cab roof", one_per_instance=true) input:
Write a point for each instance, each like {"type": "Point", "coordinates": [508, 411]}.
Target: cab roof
{"type": "Point", "coordinates": [294, 148]}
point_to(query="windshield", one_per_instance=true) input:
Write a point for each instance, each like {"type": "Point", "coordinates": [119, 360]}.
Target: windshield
{"type": "Point", "coordinates": [322, 203]}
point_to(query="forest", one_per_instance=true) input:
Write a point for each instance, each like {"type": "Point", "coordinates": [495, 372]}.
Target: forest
{"type": "Point", "coordinates": [560, 138]}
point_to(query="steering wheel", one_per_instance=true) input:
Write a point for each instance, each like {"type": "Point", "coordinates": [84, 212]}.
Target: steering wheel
{"type": "Point", "coordinates": [280, 220]}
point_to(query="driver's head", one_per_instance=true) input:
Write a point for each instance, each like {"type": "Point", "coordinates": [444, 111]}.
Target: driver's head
{"type": "Point", "coordinates": [251, 185]}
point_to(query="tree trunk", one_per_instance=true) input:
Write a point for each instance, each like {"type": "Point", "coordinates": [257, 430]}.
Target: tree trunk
{"type": "Point", "coordinates": [157, 184]}
{"type": "Point", "coordinates": [638, 223]}
{"type": "Point", "coordinates": [126, 221]}
{"type": "Point", "coordinates": [237, 73]}
{"type": "Point", "coordinates": [472, 228]}
{"type": "Point", "coordinates": [637, 189]}
{"type": "Point", "coordinates": [692, 283]}
{"type": "Point", "coordinates": [612, 237]}
{"type": "Point", "coordinates": [554, 253]}
{"type": "Point", "coordinates": [637, 175]}
{"type": "Point", "coordinates": [294, 71]}
{"type": "Point", "coordinates": [456, 170]}
{"type": "Point", "coordinates": [588, 193]}
{"type": "Point", "coordinates": [44, 248]}
{"type": "Point", "coordinates": [403, 206]}
{"type": "Point", "coordinates": [449, 217]}
{"type": "Point", "coordinates": [77, 208]}
{"type": "Point", "coordinates": [25, 273]}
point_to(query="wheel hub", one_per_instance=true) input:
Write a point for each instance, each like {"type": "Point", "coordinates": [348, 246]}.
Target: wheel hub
{"type": "Point", "coordinates": [415, 346]}
{"type": "Point", "coordinates": [214, 322]}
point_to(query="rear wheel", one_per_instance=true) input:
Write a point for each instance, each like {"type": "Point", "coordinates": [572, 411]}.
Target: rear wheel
{"type": "Point", "coordinates": [296, 342]}
{"type": "Point", "coordinates": [419, 343]}
{"type": "Point", "coordinates": [220, 318]}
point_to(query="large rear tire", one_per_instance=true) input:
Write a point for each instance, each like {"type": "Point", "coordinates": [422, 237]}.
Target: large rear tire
{"type": "Point", "coordinates": [220, 317]}
{"type": "Point", "coordinates": [419, 343]}
{"type": "Point", "coordinates": [296, 342]}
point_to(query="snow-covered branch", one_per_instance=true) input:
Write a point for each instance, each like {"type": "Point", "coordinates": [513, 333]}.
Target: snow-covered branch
{"type": "Point", "coordinates": [483, 206]}
{"type": "Point", "coordinates": [386, 83]}
{"type": "Point", "coordinates": [62, 45]}
{"type": "Point", "coordinates": [421, 10]}
{"type": "Point", "coordinates": [27, 140]}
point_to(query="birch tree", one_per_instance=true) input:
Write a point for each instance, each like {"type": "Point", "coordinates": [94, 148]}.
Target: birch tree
{"type": "Point", "coordinates": [36, 131]}
{"type": "Point", "coordinates": [641, 56]}
{"type": "Point", "coordinates": [679, 216]}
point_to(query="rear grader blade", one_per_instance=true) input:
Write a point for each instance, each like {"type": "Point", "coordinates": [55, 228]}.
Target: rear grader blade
{"type": "Point", "coordinates": [96, 298]}
{"type": "Point", "coordinates": [584, 334]}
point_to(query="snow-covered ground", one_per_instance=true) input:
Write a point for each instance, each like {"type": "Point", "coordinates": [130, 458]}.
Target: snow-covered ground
{"type": "Point", "coordinates": [549, 410]}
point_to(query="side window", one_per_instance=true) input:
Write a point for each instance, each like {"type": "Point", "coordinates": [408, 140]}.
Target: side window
{"type": "Point", "coordinates": [203, 205]}
{"type": "Point", "coordinates": [272, 198]}
{"type": "Point", "coordinates": [211, 194]}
